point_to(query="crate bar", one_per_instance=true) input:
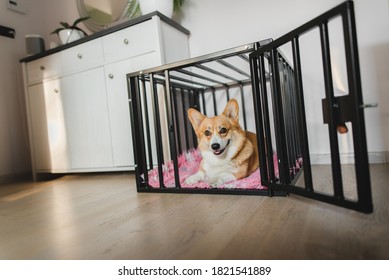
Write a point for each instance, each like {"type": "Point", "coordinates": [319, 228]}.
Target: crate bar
{"type": "Point", "coordinates": [332, 109]}
{"type": "Point", "coordinates": [266, 120]}
{"type": "Point", "coordinates": [355, 89]}
{"type": "Point", "coordinates": [296, 135]}
{"type": "Point", "coordinates": [302, 122]}
{"type": "Point", "coordinates": [157, 123]}
{"type": "Point", "coordinates": [134, 100]}
{"type": "Point", "coordinates": [193, 104]}
{"type": "Point", "coordinates": [227, 92]}
{"type": "Point", "coordinates": [176, 84]}
{"type": "Point", "coordinates": [262, 192]}
{"type": "Point", "coordinates": [183, 95]}
{"type": "Point", "coordinates": [293, 130]}
{"type": "Point", "coordinates": [192, 100]}
{"type": "Point", "coordinates": [279, 119]}
{"type": "Point", "coordinates": [286, 112]}
{"type": "Point", "coordinates": [147, 123]}
{"type": "Point", "coordinates": [289, 121]}
{"type": "Point", "coordinates": [189, 81]}
{"type": "Point", "coordinates": [255, 65]}
{"type": "Point", "coordinates": [160, 78]}
{"type": "Point", "coordinates": [203, 102]}
{"type": "Point", "coordinates": [171, 125]}
{"type": "Point", "coordinates": [292, 105]}
{"type": "Point", "coordinates": [244, 57]}
{"type": "Point", "coordinates": [196, 75]}
{"type": "Point", "coordinates": [214, 101]}
{"type": "Point", "coordinates": [243, 105]}
{"type": "Point", "coordinates": [232, 67]}
{"type": "Point", "coordinates": [176, 118]}
{"type": "Point", "coordinates": [210, 70]}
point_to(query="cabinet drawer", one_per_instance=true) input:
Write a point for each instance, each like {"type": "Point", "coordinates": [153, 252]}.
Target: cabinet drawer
{"type": "Point", "coordinates": [82, 57]}
{"type": "Point", "coordinates": [46, 67]}
{"type": "Point", "coordinates": [130, 42]}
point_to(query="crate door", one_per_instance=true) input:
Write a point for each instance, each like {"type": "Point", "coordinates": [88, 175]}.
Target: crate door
{"type": "Point", "coordinates": [311, 118]}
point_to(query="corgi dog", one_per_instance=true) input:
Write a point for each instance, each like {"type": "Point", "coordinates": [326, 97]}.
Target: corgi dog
{"type": "Point", "coordinates": [228, 152]}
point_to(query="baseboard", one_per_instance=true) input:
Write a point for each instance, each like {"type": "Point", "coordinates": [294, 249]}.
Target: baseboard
{"type": "Point", "coordinates": [379, 157]}
{"type": "Point", "coordinates": [11, 178]}
{"type": "Point", "coordinates": [386, 157]}
{"type": "Point", "coordinates": [374, 158]}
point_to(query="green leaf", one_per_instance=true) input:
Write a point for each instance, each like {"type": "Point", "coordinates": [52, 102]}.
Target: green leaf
{"type": "Point", "coordinates": [79, 29]}
{"type": "Point", "coordinates": [77, 21]}
{"type": "Point", "coordinates": [65, 24]}
{"type": "Point", "coordinates": [57, 30]}
{"type": "Point", "coordinates": [177, 4]}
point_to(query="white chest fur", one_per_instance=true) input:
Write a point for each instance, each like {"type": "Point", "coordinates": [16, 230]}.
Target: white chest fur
{"type": "Point", "coordinates": [219, 165]}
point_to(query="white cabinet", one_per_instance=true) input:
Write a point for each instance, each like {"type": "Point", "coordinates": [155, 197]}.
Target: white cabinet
{"type": "Point", "coordinates": [77, 99]}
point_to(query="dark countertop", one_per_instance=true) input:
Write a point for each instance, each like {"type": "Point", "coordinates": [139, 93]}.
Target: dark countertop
{"type": "Point", "coordinates": [105, 32]}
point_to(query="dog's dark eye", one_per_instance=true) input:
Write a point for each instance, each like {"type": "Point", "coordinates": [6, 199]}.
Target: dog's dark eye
{"type": "Point", "coordinates": [223, 130]}
{"type": "Point", "coordinates": [207, 133]}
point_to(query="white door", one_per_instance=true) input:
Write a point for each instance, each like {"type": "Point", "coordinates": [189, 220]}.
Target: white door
{"type": "Point", "coordinates": [86, 119]}
{"type": "Point", "coordinates": [117, 94]}
{"type": "Point", "coordinates": [48, 127]}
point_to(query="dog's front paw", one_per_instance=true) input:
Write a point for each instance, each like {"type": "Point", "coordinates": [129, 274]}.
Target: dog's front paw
{"type": "Point", "coordinates": [215, 182]}
{"type": "Point", "coordinates": [194, 178]}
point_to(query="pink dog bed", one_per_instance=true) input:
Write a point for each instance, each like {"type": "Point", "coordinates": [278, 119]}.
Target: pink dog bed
{"type": "Point", "coordinates": [189, 163]}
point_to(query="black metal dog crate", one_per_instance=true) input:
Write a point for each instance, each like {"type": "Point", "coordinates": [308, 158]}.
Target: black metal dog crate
{"type": "Point", "coordinates": [282, 86]}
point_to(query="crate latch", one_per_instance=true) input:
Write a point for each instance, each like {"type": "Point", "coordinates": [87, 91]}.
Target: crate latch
{"type": "Point", "coordinates": [343, 111]}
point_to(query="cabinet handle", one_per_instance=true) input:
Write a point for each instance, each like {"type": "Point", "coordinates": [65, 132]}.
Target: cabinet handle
{"type": "Point", "coordinates": [56, 90]}
{"type": "Point", "coordinates": [42, 67]}
{"type": "Point", "coordinates": [126, 41]}
{"type": "Point", "coordinates": [79, 56]}
{"type": "Point", "coordinates": [110, 76]}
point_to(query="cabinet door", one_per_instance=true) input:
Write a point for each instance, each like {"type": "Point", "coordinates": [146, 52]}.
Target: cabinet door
{"type": "Point", "coordinates": [48, 127]}
{"type": "Point", "coordinates": [119, 108]}
{"type": "Point", "coordinates": [86, 118]}
{"type": "Point", "coordinates": [119, 115]}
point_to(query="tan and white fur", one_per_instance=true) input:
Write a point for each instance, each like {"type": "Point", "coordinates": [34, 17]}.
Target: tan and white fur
{"type": "Point", "coordinates": [228, 152]}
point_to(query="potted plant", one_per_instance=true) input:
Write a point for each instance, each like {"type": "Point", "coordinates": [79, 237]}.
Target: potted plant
{"type": "Point", "coordinates": [69, 33]}
{"type": "Point", "coordinates": [166, 7]}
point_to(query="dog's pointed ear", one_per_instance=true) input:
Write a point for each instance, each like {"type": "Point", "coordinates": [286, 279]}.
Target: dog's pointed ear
{"type": "Point", "coordinates": [195, 118]}
{"type": "Point", "coordinates": [232, 110]}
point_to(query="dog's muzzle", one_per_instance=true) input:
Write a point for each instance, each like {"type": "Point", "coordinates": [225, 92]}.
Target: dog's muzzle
{"type": "Point", "coordinates": [216, 148]}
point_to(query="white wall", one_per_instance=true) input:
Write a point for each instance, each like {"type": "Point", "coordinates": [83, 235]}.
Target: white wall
{"type": "Point", "coordinates": [14, 154]}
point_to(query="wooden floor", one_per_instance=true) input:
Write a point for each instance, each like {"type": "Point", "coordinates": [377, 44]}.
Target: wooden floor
{"type": "Point", "coordinates": [101, 216]}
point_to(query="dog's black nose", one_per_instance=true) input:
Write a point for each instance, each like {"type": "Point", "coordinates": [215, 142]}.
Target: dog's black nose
{"type": "Point", "coordinates": [215, 146]}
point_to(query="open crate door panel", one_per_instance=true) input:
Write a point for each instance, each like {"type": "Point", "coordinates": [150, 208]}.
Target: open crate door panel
{"type": "Point", "coordinates": [317, 92]}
